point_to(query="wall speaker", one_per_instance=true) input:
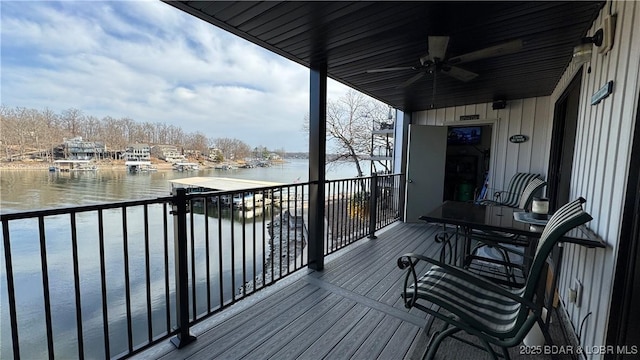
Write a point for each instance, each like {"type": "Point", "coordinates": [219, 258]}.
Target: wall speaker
{"type": "Point", "coordinates": [499, 104]}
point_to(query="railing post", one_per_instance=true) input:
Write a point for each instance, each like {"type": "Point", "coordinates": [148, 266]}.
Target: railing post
{"type": "Point", "coordinates": [373, 206]}
{"type": "Point", "coordinates": [179, 211]}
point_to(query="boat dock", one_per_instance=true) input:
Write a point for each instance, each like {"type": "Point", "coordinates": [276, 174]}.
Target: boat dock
{"type": "Point", "coordinates": [220, 183]}
{"type": "Point", "coordinates": [186, 166]}
{"type": "Point", "coordinates": [241, 200]}
{"type": "Point", "coordinates": [73, 165]}
{"type": "Point", "coordinates": [138, 166]}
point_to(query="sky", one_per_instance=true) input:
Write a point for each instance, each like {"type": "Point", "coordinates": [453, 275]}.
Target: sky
{"type": "Point", "coordinates": [151, 62]}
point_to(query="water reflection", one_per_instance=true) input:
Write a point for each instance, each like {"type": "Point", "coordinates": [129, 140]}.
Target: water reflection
{"type": "Point", "coordinates": [235, 246]}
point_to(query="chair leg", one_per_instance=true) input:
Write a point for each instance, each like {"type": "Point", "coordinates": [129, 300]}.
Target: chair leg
{"type": "Point", "coordinates": [488, 348]}
{"type": "Point", "coordinates": [433, 347]}
{"type": "Point", "coordinates": [505, 353]}
{"type": "Point", "coordinates": [438, 336]}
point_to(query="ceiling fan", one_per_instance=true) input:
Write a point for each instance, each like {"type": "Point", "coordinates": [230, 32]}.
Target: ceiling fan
{"type": "Point", "coordinates": [436, 60]}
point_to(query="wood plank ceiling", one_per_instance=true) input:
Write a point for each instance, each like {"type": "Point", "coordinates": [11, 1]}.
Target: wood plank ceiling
{"type": "Point", "coordinates": [353, 37]}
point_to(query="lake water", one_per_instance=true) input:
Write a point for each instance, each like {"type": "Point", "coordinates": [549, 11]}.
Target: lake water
{"type": "Point", "coordinates": [23, 190]}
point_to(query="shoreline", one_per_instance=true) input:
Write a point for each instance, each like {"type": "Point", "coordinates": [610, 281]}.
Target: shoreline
{"type": "Point", "coordinates": [103, 165]}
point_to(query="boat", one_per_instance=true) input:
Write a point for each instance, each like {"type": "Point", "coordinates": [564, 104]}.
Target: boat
{"type": "Point", "coordinates": [73, 165]}
{"type": "Point", "coordinates": [185, 166]}
{"type": "Point", "coordinates": [225, 167]}
{"type": "Point", "coordinates": [249, 200]}
{"type": "Point", "coordinates": [134, 166]}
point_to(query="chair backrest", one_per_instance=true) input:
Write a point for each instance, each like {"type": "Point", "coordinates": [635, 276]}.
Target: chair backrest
{"type": "Point", "coordinates": [529, 191]}
{"type": "Point", "coordinates": [564, 219]}
{"type": "Point", "coordinates": [516, 186]}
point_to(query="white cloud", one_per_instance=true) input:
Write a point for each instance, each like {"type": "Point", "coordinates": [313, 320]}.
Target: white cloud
{"type": "Point", "coordinates": [151, 62]}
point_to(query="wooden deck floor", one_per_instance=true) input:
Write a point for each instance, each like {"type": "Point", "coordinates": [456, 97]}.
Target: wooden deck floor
{"type": "Point", "coordinates": [352, 309]}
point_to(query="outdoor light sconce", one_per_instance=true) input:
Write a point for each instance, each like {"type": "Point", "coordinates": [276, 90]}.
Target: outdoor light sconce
{"type": "Point", "coordinates": [602, 39]}
{"type": "Point", "coordinates": [596, 39]}
{"type": "Point", "coordinates": [582, 53]}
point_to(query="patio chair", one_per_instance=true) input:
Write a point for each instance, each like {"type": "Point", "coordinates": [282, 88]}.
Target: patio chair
{"type": "Point", "coordinates": [501, 256]}
{"type": "Point", "coordinates": [512, 197]}
{"type": "Point", "coordinates": [496, 315]}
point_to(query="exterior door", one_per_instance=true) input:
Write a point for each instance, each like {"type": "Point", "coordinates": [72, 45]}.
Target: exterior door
{"type": "Point", "coordinates": [425, 170]}
{"type": "Point", "coordinates": [562, 144]}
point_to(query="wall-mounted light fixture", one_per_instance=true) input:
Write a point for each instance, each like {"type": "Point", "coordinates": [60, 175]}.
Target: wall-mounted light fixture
{"type": "Point", "coordinates": [596, 39]}
{"type": "Point", "coordinates": [582, 53]}
{"type": "Point", "coordinates": [602, 39]}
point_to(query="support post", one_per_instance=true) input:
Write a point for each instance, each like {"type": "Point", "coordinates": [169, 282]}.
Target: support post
{"type": "Point", "coordinates": [373, 206]}
{"type": "Point", "coordinates": [179, 211]}
{"type": "Point", "coordinates": [317, 158]}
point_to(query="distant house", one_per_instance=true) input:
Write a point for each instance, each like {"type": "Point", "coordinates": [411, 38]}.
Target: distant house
{"type": "Point", "coordinates": [215, 154]}
{"type": "Point", "coordinates": [274, 156]}
{"type": "Point", "coordinates": [137, 152]}
{"type": "Point", "coordinates": [195, 153]}
{"type": "Point", "coordinates": [168, 153]}
{"type": "Point", "coordinates": [78, 149]}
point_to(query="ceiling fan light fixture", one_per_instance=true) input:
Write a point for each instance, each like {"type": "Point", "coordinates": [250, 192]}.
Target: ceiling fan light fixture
{"type": "Point", "coordinates": [438, 47]}
{"type": "Point", "coordinates": [425, 59]}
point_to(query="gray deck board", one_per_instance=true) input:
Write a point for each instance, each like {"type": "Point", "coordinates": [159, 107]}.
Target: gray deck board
{"type": "Point", "coordinates": [351, 309]}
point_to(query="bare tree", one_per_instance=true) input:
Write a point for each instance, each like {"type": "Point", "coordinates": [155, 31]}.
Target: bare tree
{"type": "Point", "coordinates": [350, 121]}
{"type": "Point", "coordinates": [197, 141]}
{"type": "Point", "coordinates": [53, 134]}
{"type": "Point", "coordinates": [71, 119]}
{"type": "Point", "coordinates": [232, 149]}
{"type": "Point", "coordinates": [32, 132]}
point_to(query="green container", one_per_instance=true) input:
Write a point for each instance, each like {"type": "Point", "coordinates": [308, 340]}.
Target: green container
{"type": "Point", "coordinates": [464, 192]}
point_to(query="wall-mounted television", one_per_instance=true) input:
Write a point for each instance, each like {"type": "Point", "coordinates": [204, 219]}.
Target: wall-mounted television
{"type": "Point", "coordinates": [466, 135]}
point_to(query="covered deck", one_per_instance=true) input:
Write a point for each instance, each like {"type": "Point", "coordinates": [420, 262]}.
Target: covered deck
{"type": "Point", "coordinates": [350, 310]}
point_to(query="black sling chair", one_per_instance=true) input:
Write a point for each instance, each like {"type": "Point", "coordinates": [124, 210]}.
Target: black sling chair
{"type": "Point", "coordinates": [493, 313]}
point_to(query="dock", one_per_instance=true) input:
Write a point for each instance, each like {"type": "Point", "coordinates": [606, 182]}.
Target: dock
{"type": "Point", "coordinates": [241, 199]}
{"type": "Point", "coordinates": [220, 183]}
{"type": "Point", "coordinates": [74, 165]}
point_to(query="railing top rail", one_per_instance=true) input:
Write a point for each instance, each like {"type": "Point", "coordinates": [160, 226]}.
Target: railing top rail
{"type": "Point", "coordinates": [365, 177]}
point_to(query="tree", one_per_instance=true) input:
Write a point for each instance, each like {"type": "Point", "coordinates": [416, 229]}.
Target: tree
{"type": "Point", "coordinates": [197, 141]}
{"type": "Point", "coordinates": [350, 121]}
{"type": "Point", "coordinates": [72, 119]}
{"type": "Point", "coordinates": [232, 149]}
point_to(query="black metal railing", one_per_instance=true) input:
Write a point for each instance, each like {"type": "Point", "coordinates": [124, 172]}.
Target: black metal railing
{"type": "Point", "coordinates": [118, 278]}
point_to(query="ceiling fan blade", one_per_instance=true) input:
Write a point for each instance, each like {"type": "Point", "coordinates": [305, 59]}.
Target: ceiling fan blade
{"type": "Point", "coordinates": [438, 47]}
{"type": "Point", "coordinates": [390, 69]}
{"type": "Point", "coordinates": [411, 80]}
{"type": "Point", "coordinates": [460, 74]}
{"type": "Point", "coordinates": [497, 50]}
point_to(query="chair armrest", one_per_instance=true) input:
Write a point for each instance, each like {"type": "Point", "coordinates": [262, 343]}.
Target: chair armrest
{"type": "Point", "coordinates": [405, 261]}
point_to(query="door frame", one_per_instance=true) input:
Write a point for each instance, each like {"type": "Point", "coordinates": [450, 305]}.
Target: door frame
{"type": "Point", "coordinates": [495, 122]}
{"type": "Point", "coordinates": [557, 139]}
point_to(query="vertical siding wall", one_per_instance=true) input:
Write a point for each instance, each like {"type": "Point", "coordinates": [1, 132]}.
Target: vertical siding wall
{"type": "Point", "coordinates": [600, 168]}
{"type": "Point", "coordinates": [601, 159]}
{"type": "Point", "coordinates": [526, 116]}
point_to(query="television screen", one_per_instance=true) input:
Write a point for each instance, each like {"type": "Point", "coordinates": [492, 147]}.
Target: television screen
{"type": "Point", "coordinates": [469, 135]}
